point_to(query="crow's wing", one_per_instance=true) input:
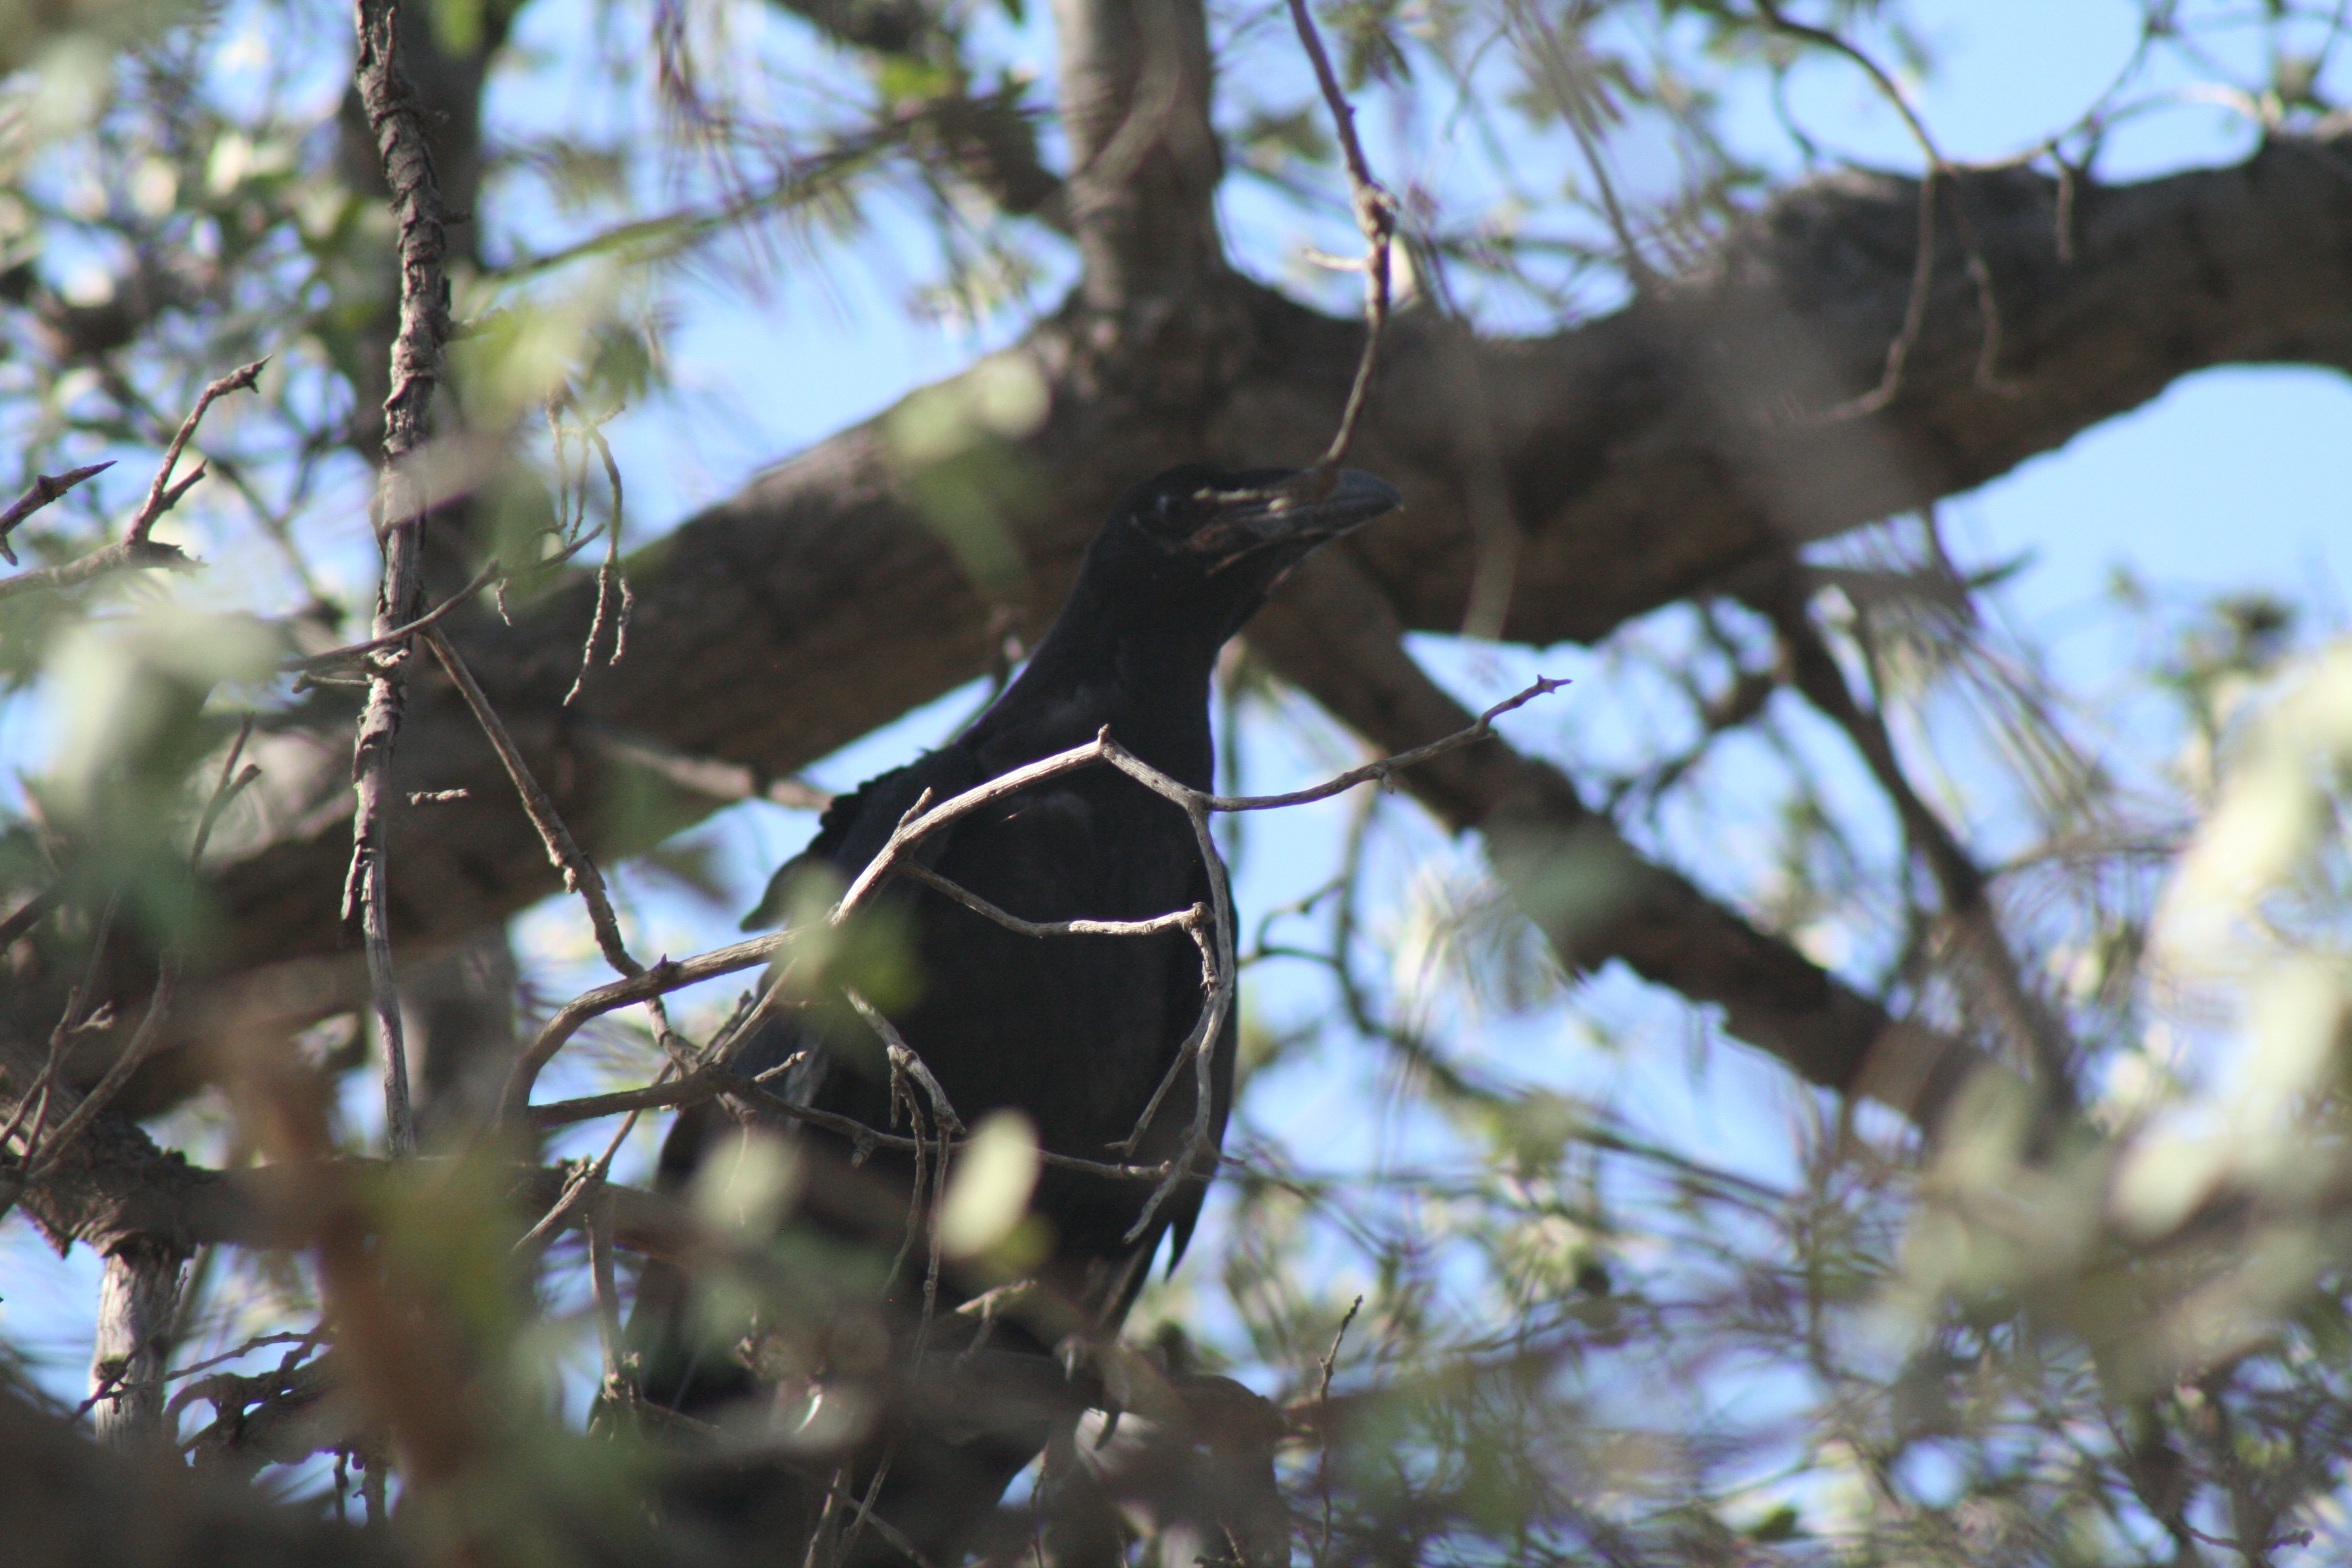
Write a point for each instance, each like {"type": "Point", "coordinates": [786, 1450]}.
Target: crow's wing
{"type": "Point", "coordinates": [856, 825]}
{"type": "Point", "coordinates": [679, 1371]}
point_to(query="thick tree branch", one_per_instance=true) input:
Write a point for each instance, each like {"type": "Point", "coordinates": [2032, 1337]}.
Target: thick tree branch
{"type": "Point", "coordinates": [1645, 454]}
{"type": "Point", "coordinates": [1144, 158]}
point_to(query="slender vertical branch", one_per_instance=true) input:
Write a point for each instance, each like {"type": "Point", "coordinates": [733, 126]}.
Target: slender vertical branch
{"type": "Point", "coordinates": [563, 851]}
{"type": "Point", "coordinates": [1145, 161]}
{"type": "Point", "coordinates": [1376, 215]}
{"type": "Point", "coordinates": [401, 503]}
{"type": "Point", "coordinates": [1323, 1423]}
{"type": "Point", "coordinates": [138, 1309]}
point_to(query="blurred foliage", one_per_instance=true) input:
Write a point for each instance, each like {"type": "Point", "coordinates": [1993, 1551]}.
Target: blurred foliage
{"type": "Point", "coordinates": [1583, 1338]}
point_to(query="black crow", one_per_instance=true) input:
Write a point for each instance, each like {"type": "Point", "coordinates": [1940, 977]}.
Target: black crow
{"type": "Point", "coordinates": [1075, 1031]}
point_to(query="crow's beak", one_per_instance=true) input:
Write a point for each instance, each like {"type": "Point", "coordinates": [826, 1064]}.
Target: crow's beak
{"type": "Point", "coordinates": [1353, 499]}
{"type": "Point", "coordinates": [1292, 512]}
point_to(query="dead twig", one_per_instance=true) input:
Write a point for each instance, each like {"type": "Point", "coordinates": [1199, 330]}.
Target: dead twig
{"type": "Point", "coordinates": [150, 1031]}
{"type": "Point", "coordinates": [582, 1188]}
{"type": "Point", "coordinates": [30, 913]}
{"type": "Point", "coordinates": [45, 488]}
{"type": "Point", "coordinates": [1323, 1417]}
{"type": "Point", "coordinates": [608, 578]}
{"type": "Point", "coordinates": [1175, 920]}
{"type": "Point", "coordinates": [397, 121]}
{"type": "Point", "coordinates": [1939, 169]}
{"type": "Point", "coordinates": [359, 650]}
{"type": "Point", "coordinates": [670, 975]}
{"type": "Point", "coordinates": [161, 493]}
{"type": "Point", "coordinates": [563, 851]}
{"type": "Point", "coordinates": [1375, 216]}
{"type": "Point", "coordinates": [121, 555]}
{"type": "Point", "coordinates": [707, 1083]}
{"type": "Point", "coordinates": [135, 548]}
{"type": "Point", "coordinates": [946, 1128]}
{"type": "Point", "coordinates": [660, 978]}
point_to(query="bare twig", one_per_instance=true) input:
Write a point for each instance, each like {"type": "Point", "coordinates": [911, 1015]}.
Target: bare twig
{"type": "Point", "coordinates": [43, 1093]}
{"type": "Point", "coordinates": [360, 651]}
{"type": "Point", "coordinates": [398, 120]}
{"type": "Point", "coordinates": [1386, 768]}
{"type": "Point", "coordinates": [582, 1187]}
{"type": "Point", "coordinates": [150, 1031]}
{"type": "Point", "coordinates": [710, 777]}
{"type": "Point", "coordinates": [135, 548]}
{"type": "Point", "coordinates": [1323, 1412]}
{"type": "Point", "coordinates": [46, 488]}
{"type": "Point", "coordinates": [604, 1281]}
{"type": "Point", "coordinates": [920, 823]}
{"type": "Point", "coordinates": [1175, 920]}
{"type": "Point", "coordinates": [946, 1128]}
{"type": "Point", "coordinates": [672, 974]}
{"type": "Point", "coordinates": [896, 1538]}
{"type": "Point", "coordinates": [1939, 169]}
{"type": "Point", "coordinates": [162, 494]}
{"type": "Point", "coordinates": [563, 851]}
{"type": "Point", "coordinates": [710, 1083]}
{"type": "Point", "coordinates": [903, 1059]}
{"type": "Point", "coordinates": [121, 555]}
{"type": "Point", "coordinates": [30, 913]}
{"type": "Point", "coordinates": [660, 978]}
{"type": "Point", "coordinates": [608, 578]}
{"type": "Point", "coordinates": [1376, 216]}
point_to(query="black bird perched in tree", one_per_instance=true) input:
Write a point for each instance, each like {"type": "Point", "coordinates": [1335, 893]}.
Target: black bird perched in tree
{"type": "Point", "coordinates": [1075, 1031]}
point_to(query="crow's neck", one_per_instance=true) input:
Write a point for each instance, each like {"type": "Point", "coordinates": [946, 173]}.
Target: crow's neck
{"type": "Point", "coordinates": [1145, 676]}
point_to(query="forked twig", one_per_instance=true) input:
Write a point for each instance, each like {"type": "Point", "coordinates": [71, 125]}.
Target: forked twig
{"type": "Point", "coordinates": [360, 651]}
{"type": "Point", "coordinates": [135, 548]}
{"type": "Point", "coordinates": [161, 493]}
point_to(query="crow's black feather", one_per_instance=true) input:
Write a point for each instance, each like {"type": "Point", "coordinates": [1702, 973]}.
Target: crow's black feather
{"type": "Point", "coordinates": [1075, 1031]}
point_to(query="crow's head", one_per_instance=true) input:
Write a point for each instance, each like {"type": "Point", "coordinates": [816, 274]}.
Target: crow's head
{"type": "Point", "coordinates": [1215, 540]}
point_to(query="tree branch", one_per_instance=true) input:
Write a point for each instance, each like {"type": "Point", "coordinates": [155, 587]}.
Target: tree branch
{"type": "Point", "coordinates": [401, 506]}
{"type": "Point", "coordinates": [1645, 454]}
{"type": "Point", "coordinates": [1144, 158]}
{"type": "Point", "coordinates": [1594, 896]}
